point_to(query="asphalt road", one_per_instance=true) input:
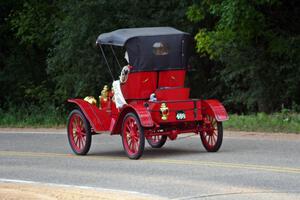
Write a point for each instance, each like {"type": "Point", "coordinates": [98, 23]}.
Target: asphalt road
{"type": "Point", "coordinates": [246, 167]}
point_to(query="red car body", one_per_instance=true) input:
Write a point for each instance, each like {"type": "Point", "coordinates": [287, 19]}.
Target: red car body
{"type": "Point", "coordinates": [172, 112]}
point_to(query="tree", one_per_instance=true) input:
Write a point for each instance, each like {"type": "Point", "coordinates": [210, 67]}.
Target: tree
{"type": "Point", "coordinates": [74, 60]}
{"type": "Point", "coordinates": [256, 47]}
{"type": "Point", "coordinates": [48, 47]}
{"type": "Point", "coordinates": [26, 29]}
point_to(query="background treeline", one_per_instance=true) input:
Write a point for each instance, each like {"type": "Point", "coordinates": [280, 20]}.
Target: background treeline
{"type": "Point", "coordinates": [246, 52]}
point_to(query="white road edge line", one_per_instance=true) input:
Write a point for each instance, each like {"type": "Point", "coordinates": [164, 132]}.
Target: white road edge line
{"type": "Point", "coordinates": [3, 180]}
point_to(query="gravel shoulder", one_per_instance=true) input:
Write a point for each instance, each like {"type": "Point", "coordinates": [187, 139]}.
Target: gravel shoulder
{"type": "Point", "coordinates": [262, 135]}
{"type": "Point", "coordinates": [34, 130]}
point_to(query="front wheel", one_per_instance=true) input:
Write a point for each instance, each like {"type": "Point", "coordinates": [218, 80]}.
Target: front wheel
{"type": "Point", "coordinates": [157, 141]}
{"type": "Point", "coordinates": [211, 133]}
{"type": "Point", "coordinates": [133, 138]}
{"type": "Point", "coordinates": [79, 133]}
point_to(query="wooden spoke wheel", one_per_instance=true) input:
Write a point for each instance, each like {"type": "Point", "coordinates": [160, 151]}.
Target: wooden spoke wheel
{"type": "Point", "coordinates": [211, 133]}
{"type": "Point", "coordinates": [157, 141]}
{"type": "Point", "coordinates": [79, 133]}
{"type": "Point", "coordinates": [133, 136]}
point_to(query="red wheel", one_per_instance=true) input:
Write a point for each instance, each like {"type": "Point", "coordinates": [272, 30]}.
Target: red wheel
{"type": "Point", "coordinates": [79, 133]}
{"type": "Point", "coordinates": [211, 133]}
{"type": "Point", "coordinates": [157, 141]}
{"type": "Point", "coordinates": [133, 136]}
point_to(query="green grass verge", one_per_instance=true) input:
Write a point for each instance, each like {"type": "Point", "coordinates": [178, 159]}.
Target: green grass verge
{"type": "Point", "coordinates": [49, 117]}
{"type": "Point", "coordinates": [36, 117]}
{"type": "Point", "coordinates": [285, 122]}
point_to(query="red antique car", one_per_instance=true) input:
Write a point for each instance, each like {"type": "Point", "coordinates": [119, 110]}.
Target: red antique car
{"type": "Point", "coordinates": [150, 101]}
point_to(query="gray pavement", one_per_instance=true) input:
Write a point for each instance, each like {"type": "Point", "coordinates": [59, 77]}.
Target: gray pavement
{"type": "Point", "coordinates": [246, 167]}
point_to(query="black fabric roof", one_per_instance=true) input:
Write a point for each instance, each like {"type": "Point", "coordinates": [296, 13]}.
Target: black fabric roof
{"type": "Point", "coordinates": [121, 36]}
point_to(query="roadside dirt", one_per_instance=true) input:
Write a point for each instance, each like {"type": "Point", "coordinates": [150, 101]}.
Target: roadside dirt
{"type": "Point", "coordinates": [33, 130]}
{"type": "Point", "coordinates": [16, 191]}
{"type": "Point", "coordinates": [262, 135]}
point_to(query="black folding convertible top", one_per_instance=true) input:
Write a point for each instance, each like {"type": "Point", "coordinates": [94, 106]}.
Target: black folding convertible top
{"type": "Point", "coordinates": [151, 48]}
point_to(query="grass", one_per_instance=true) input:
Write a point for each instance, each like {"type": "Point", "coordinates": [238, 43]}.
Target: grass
{"type": "Point", "coordinates": [35, 117]}
{"type": "Point", "coordinates": [284, 122]}
{"type": "Point", "coordinates": [49, 117]}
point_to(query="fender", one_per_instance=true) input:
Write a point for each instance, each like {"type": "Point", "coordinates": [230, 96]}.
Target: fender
{"type": "Point", "coordinates": [215, 108]}
{"type": "Point", "coordinates": [98, 119]}
{"type": "Point", "coordinates": [142, 113]}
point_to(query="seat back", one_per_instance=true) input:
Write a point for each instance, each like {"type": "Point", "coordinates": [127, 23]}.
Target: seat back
{"type": "Point", "coordinates": [171, 85]}
{"type": "Point", "coordinates": [171, 78]}
{"type": "Point", "coordinates": [166, 84]}
{"type": "Point", "coordinates": [139, 85]}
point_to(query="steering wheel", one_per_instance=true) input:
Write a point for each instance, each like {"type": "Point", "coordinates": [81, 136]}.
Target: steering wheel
{"type": "Point", "coordinates": [124, 74]}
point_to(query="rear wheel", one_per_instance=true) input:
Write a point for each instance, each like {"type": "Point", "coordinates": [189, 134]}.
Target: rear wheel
{"type": "Point", "coordinates": [133, 136]}
{"type": "Point", "coordinates": [211, 133]}
{"type": "Point", "coordinates": [79, 133]}
{"type": "Point", "coordinates": [157, 141]}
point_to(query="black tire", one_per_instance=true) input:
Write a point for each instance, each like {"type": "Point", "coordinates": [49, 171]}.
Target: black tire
{"type": "Point", "coordinates": [212, 138]}
{"type": "Point", "coordinates": [159, 143]}
{"type": "Point", "coordinates": [82, 145]}
{"type": "Point", "coordinates": [133, 131]}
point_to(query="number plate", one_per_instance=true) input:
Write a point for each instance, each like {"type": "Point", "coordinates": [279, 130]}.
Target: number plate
{"type": "Point", "coordinates": [180, 115]}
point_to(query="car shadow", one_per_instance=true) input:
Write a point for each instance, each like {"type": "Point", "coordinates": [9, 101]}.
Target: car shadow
{"type": "Point", "coordinates": [150, 153]}
{"type": "Point", "coordinates": [169, 152]}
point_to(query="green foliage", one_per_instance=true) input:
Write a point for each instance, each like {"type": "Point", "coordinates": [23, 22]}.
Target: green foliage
{"type": "Point", "coordinates": [247, 52]}
{"type": "Point", "coordinates": [34, 23]}
{"type": "Point", "coordinates": [257, 45]}
{"type": "Point", "coordinates": [48, 51]}
{"type": "Point", "coordinates": [24, 45]}
{"type": "Point", "coordinates": [196, 13]}
{"type": "Point", "coordinates": [74, 60]}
